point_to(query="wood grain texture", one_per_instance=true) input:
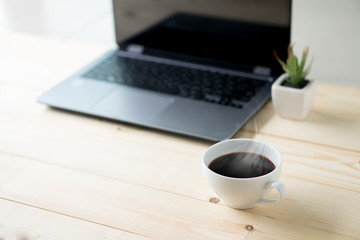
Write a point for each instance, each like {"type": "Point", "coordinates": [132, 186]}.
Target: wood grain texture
{"type": "Point", "coordinates": [65, 174]}
{"type": "Point", "coordinates": [19, 221]}
{"type": "Point", "coordinates": [159, 214]}
{"type": "Point", "coordinates": [334, 120]}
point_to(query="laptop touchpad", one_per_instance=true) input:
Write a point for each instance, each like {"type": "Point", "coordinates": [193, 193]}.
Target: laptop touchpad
{"type": "Point", "coordinates": [126, 103]}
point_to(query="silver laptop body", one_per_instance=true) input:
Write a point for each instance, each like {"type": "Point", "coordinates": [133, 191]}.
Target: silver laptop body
{"type": "Point", "coordinates": [208, 116]}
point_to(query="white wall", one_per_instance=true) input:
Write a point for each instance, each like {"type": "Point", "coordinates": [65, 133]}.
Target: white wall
{"type": "Point", "coordinates": [331, 28]}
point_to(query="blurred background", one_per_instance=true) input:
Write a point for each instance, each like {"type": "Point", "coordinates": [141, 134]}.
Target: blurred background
{"type": "Point", "coordinates": [331, 28]}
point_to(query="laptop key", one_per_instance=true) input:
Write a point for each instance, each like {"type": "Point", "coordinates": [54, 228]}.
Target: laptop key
{"type": "Point", "coordinates": [236, 103]}
{"type": "Point", "coordinates": [212, 98]}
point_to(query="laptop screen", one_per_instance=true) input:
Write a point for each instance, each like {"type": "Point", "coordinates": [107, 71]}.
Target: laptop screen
{"type": "Point", "coordinates": [237, 34]}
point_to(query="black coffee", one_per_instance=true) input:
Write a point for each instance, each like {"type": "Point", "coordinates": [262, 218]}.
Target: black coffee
{"type": "Point", "coordinates": [242, 165]}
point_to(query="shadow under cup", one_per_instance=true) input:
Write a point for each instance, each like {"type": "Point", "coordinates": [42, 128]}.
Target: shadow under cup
{"type": "Point", "coordinates": [244, 193]}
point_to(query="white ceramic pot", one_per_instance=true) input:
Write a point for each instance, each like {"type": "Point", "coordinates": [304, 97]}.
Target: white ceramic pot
{"type": "Point", "coordinates": [291, 102]}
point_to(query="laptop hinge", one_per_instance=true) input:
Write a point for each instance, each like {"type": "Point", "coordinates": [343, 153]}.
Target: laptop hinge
{"type": "Point", "coordinates": [135, 48]}
{"type": "Point", "coordinates": [262, 70]}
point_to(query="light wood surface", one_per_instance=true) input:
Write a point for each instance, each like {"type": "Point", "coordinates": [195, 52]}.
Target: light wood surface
{"type": "Point", "coordinates": [68, 176]}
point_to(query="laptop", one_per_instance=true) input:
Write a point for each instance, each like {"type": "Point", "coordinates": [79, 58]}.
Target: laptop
{"type": "Point", "coordinates": [201, 74]}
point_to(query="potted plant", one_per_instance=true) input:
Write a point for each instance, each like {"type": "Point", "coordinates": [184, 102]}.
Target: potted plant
{"type": "Point", "coordinates": [292, 94]}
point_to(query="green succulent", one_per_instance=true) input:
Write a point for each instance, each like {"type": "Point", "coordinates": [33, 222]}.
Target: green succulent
{"type": "Point", "coordinates": [297, 72]}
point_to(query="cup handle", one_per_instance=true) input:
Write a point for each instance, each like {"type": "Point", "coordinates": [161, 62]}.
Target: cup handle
{"type": "Point", "coordinates": [281, 190]}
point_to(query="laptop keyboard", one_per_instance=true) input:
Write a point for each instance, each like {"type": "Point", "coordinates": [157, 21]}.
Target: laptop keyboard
{"type": "Point", "coordinates": [209, 86]}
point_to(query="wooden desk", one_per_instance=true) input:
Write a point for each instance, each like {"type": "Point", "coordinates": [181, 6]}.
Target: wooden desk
{"type": "Point", "coordinates": [68, 176]}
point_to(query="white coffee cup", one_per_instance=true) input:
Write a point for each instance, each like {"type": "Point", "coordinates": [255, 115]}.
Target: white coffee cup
{"type": "Point", "coordinates": [244, 193]}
